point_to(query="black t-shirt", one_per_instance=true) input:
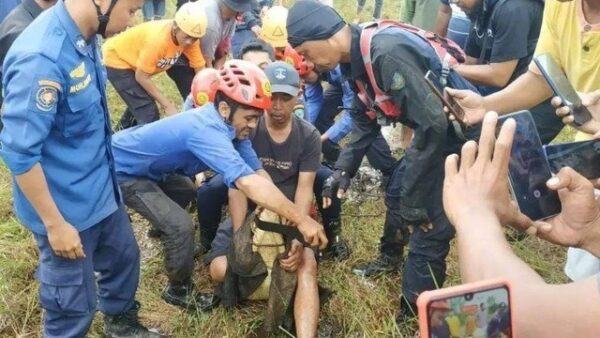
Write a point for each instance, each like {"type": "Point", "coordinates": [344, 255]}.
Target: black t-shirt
{"type": "Point", "coordinates": [513, 31]}
{"type": "Point", "coordinates": [300, 152]}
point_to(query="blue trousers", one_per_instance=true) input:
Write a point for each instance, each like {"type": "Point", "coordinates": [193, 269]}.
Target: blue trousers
{"type": "Point", "coordinates": [107, 278]}
{"type": "Point", "coordinates": [213, 195]}
{"type": "Point", "coordinates": [153, 8]}
{"type": "Point", "coordinates": [425, 265]}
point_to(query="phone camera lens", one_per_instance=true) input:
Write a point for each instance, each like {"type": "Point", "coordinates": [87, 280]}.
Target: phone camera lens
{"type": "Point", "coordinates": [468, 296]}
{"type": "Point", "coordinates": [537, 193]}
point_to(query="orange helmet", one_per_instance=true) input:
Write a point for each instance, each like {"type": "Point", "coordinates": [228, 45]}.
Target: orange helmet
{"type": "Point", "coordinates": [292, 57]}
{"type": "Point", "coordinates": [205, 86]}
{"type": "Point", "coordinates": [245, 83]}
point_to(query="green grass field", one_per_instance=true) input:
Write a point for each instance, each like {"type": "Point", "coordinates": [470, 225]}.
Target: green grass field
{"type": "Point", "coordinates": [359, 308]}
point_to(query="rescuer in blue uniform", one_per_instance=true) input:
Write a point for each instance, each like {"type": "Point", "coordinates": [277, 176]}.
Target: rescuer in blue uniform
{"type": "Point", "coordinates": [57, 145]}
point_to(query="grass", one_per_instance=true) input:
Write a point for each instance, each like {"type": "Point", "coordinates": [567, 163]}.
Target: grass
{"type": "Point", "coordinates": [360, 308]}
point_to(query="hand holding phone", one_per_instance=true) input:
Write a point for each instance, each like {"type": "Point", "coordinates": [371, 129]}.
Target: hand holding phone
{"type": "Point", "coordinates": [480, 309]}
{"type": "Point", "coordinates": [562, 88]}
{"type": "Point", "coordinates": [448, 101]}
{"type": "Point", "coordinates": [529, 170]}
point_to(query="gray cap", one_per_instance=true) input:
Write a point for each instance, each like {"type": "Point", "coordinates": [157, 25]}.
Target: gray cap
{"type": "Point", "coordinates": [283, 78]}
{"type": "Point", "coordinates": [239, 6]}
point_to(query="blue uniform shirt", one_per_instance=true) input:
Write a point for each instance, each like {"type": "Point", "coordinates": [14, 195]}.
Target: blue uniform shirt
{"type": "Point", "coordinates": [55, 114]}
{"type": "Point", "coordinates": [314, 103]}
{"type": "Point", "coordinates": [187, 143]}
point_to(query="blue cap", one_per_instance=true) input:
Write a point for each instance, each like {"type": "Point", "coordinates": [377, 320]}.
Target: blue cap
{"type": "Point", "coordinates": [283, 78]}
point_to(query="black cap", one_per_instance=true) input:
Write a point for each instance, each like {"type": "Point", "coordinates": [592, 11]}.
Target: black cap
{"type": "Point", "coordinates": [310, 20]}
{"type": "Point", "coordinates": [239, 6]}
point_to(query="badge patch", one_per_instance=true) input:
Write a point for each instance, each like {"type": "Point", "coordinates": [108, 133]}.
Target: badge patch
{"type": "Point", "coordinates": [398, 82]}
{"type": "Point", "coordinates": [46, 98]}
{"type": "Point", "coordinates": [81, 85]}
{"type": "Point", "coordinates": [266, 87]}
{"type": "Point", "coordinates": [201, 99]}
{"type": "Point", "coordinates": [78, 72]}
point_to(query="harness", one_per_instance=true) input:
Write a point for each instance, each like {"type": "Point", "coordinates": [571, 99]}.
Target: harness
{"type": "Point", "coordinates": [448, 52]}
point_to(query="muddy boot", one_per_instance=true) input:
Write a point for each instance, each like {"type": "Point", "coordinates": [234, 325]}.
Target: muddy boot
{"type": "Point", "coordinates": [337, 248]}
{"type": "Point", "coordinates": [186, 297]}
{"type": "Point", "coordinates": [127, 325]}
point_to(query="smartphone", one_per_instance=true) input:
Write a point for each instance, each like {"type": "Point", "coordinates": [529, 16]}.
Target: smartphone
{"type": "Point", "coordinates": [529, 170]}
{"type": "Point", "coordinates": [481, 309]}
{"type": "Point", "coordinates": [583, 157]}
{"type": "Point", "coordinates": [454, 108]}
{"type": "Point", "coordinates": [562, 88]}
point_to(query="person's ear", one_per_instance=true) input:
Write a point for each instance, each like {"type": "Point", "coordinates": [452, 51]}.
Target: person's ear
{"type": "Point", "coordinates": [224, 110]}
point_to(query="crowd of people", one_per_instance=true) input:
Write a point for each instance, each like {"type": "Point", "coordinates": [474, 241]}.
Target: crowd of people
{"type": "Point", "coordinates": [269, 93]}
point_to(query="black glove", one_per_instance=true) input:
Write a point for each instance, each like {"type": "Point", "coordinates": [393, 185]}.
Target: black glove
{"type": "Point", "coordinates": [413, 216]}
{"type": "Point", "coordinates": [338, 180]}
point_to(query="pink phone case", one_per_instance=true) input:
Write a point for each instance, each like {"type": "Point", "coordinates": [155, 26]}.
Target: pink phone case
{"type": "Point", "coordinates": [430, 296]}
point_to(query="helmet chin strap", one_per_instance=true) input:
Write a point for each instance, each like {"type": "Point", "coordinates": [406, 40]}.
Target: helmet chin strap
{"type": "Point", "coordinates": [103, 18]}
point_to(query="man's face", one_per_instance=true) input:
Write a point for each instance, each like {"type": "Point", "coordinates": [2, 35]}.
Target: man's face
{"type": "Point", "coordinates": [468, 6]}
{"type": "Point", "coordinates": [244, 121]}
{"type": "Point", "coordinates": [261, 59]}
{"type": "Point", "coordinates": [122, 15]}
{"type": "Point", "coordinates": [282, 108]}
{"type": "Point", "coordinates": [320, 53]}
{"type": "Point", "coordinates": [183, 39]}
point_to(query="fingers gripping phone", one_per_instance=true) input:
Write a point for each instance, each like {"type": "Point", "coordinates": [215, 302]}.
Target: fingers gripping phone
{"type": "Point", "coordinates": [583, 157]}
{"type": "Point", "coordinates": [529, 170]}
{"type": "Point", "coordinates": [453, 107]}
{"type": "Point", "coordinates": [480, 309]}
{"type": "Point", "coordinates": [562, 88]}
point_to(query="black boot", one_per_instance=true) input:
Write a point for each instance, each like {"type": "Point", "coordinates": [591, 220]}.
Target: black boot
{"type": "Point", "coordinates": [381, 265]}
{"type": "Point", "coordinates": [199, 250]}
{"type": "Point", "coordinates": [337, 248]}
{"type": "Point", "coordinates": [406, 312]}
{"type": "Point", "coordinates": [186, 297]}
{"type": "Point", "coordinates": [126, 325]}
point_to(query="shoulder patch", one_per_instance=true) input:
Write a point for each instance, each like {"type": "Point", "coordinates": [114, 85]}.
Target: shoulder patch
{"type": "Point", "coordinates": [398, 82]}
{"type": "Point", "coordinates": [46, 98]}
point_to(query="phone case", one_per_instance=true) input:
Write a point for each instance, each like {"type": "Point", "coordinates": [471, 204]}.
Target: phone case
{"type": "Point", "coordinates": [428, 297]}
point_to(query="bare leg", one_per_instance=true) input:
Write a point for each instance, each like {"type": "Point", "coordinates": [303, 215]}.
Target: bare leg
{"type": "Point", "coordinates": [218, 267]}
{"type": "Point", "coordinates": [306, 304]}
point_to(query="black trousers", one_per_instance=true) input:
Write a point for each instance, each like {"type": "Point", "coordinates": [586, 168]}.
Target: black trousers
{"type": "Point", "coordinates": [183, 77]}
{"type": "Point", "coordinates": [163, 204]}
{"type": "Point", "coordinates": [141, 107]}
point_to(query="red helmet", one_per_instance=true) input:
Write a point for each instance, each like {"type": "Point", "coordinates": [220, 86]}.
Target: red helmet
{"type": "Point", "coordinates": [292, 57]}
{"type": "Point", "coordinates": [205, 86]}
{"type": "Point", "coordinates": [245, 83]}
